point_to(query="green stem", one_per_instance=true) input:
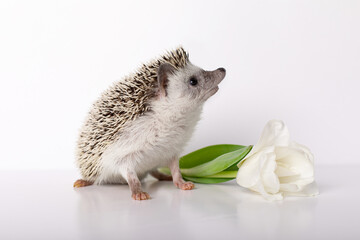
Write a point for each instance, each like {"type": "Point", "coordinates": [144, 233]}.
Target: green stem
{"type": "Point", "coordinates": [223, 174]}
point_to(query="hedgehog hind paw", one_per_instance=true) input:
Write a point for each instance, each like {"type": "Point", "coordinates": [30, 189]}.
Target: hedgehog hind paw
{"type": "Point", "coordinates": [82, 183]}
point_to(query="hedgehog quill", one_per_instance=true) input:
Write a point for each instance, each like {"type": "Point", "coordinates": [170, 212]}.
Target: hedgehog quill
{"type": "Point", "coordinates": [143, 122]}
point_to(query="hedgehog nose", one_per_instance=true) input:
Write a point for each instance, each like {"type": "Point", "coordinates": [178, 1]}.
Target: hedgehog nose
{"type": "Point", "coordinates": [222, 70]}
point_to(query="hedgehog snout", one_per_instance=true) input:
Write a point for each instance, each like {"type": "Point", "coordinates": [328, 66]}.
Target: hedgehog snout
{"type": "Point", "coordinates": [222, 69]}
{"type": "Point", "coordinates": [222, 73]}
{"type": "Point", "coordinates": [218, 75]}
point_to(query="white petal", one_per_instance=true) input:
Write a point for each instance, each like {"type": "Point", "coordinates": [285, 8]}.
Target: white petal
{"type": "Point", "coordinates": [258, 174]}
{"type": "Point", "coordinates": [303, 148]}
{"type": "Point", "coordinates": [275, 133]}
{"type": "Point", "coordinates": [249, 173]}
{"type": "Point", "coordinates": [270, 197]}
{"type": "Point", "coordinates": [295, 186]}
{"type": "Point", "coordinates": [307, 191]}
{"type": "Point", "coordinates": [284, 172]}
{"type": "Point", "coordinates": [295, 160]}
{"type": "Point", "coordinates": [269, 179]}
{"type": "Point", "coordinates": [290, 179]}
{"type": "Point", "coordinates": [289, 187]}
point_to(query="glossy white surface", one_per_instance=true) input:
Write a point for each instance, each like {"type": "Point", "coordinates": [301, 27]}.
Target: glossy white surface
{"type": "Point", "coordinates": [43, 205]}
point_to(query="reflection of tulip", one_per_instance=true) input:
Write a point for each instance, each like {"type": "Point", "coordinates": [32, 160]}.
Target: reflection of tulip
{"type": "Point", "coordinates": [276, 165]}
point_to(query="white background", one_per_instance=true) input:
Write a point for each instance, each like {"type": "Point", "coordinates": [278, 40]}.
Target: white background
{"type": "Point", "coordinates": [297, 61]}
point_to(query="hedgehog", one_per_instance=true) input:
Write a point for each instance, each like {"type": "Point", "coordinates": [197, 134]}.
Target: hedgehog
{"type": "Point", "coordinates": [143, 122]}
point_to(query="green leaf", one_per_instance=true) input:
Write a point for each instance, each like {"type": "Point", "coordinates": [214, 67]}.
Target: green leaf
{"type": "Point", "coordinates": [233, 167]}
{"type": "Point", "coordinates": [207, 180]}
{"type": "Point", "coordinates": [207, 154]}
{"type": "Point", "coordinates": [216, 165]}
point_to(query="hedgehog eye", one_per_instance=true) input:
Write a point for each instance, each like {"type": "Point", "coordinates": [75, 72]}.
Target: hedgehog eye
{"type": "Point", "coordinates": [193, 81]}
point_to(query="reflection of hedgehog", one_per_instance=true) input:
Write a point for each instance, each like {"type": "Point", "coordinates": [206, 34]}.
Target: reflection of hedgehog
{"type": "Point", "coordinates": [143, 122]}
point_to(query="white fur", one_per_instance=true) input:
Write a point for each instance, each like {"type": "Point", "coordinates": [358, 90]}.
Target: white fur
{"type": "Point", "coordinates": [151, 141]}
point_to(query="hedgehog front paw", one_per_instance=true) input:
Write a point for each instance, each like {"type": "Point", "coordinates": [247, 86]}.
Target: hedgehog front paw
{"type": "Point", "coordinates": [185, 185]}
{"type": "Point", "coordinates": [140, 196]}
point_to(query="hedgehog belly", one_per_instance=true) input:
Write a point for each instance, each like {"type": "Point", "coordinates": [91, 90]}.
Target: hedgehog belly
{"type": "Point", "coordinates": [144, 146]}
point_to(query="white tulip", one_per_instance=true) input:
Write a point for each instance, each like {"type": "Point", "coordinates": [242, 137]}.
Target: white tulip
{"type": "Point", "coordinates": [276, 165]}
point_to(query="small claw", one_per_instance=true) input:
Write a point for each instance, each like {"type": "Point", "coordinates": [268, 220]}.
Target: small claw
{"type": "Point", "coordinates": [185, 185]}
{"type": "Point", "coordinates": [141, 196]}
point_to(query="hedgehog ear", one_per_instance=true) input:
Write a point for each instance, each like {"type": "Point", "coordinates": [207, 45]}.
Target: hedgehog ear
{"type": "Point", "coordinates": [163, 73]}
